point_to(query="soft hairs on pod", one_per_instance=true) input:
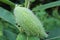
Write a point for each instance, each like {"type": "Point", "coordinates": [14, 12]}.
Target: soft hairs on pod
{"type": "Point", "coordinates": [29, 22]}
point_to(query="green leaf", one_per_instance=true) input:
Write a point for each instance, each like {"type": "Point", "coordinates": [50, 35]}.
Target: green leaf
{"type": "Point", "coordinates": [7, 16]}
{"type": "Point", "coordinates": [25, 37]}
{"type": "Point", "coordinates": [10, 27]}
{"type": "Point", "coordinates": [9, 35]}
{"type": "Point", "coordinates": [49, 5]}
{"type": "Point", "coordinates": [33, 38]}
{"type": "Point", "coordinates": [21, 37]}
{"type": "Point", "coordinates": [55, 38]}
{"type": "Point", "coordinates": [53, 27]}
{"type": "Point", "coordinates": [46, 6]}
{"type": "Point", "coordinates": [1, 30]}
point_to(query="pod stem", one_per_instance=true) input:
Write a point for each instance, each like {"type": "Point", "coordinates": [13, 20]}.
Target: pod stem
{"type": "Point", "coordinates": [27, 3]}
{"type": "Point", "coordinates": [27, 37]}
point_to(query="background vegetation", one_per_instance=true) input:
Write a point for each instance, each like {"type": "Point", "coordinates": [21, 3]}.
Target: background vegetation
{"type": "Point", "coordinates": [48, 11]}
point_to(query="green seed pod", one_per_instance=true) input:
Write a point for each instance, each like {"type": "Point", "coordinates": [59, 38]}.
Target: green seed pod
{"type": "Point", "coordinates": [29, 22]}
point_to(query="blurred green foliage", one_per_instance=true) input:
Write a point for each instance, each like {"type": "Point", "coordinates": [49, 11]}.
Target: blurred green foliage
{"type": "Point", "coordinates": [8, 29]}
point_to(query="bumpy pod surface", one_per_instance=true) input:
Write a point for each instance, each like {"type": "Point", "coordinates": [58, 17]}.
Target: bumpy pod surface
{"type": "Point", "coordinates": [29, 22]}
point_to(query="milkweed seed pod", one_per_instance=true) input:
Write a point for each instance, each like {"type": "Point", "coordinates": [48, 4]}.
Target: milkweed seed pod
{"type": "Point", "coordinates": [29, 22]}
